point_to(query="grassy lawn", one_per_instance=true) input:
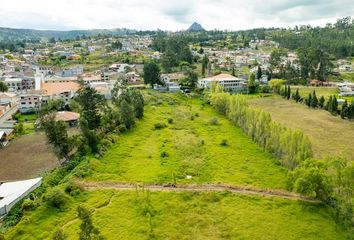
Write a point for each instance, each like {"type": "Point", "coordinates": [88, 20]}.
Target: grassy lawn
{"type": "Point", "coordinates": [330, 136]}
{"type": "Point", "coordinates": [25, 157]}
{"type": "Point", "coordinates": [188, 151]}
{"type": "Point", "coordinates": [188, 215]}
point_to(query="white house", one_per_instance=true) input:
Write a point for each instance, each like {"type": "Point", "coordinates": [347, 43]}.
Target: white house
{"type": "Point", "coordinates": [227, 81]}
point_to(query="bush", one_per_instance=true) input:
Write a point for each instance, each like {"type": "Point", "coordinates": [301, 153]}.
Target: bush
{"type": "Point", "coordinates": [82, 171]}
{"type": "Point", "coordinates": [213, 121]}
{"type": "Point", "coordinates": [164, 154]}
{"type": "Point", "coordinates": [122, 128]}
{"type": "Point", "coordinates": [56, 198]}
{"type": "Point", "coordinates": [29, 204]}
{"type": "Point", "coordinates": [158, 126]}
{"type": "Point", "coordinates": [73, 188]}
{"type": "Point", "coordinates": [192, 117]}
{"type": "Point", "coordinates": [202, 142]}
{"type": "Point", "coordinates": [224, 142]}
{"type": "Point", "coordinates": [197, 114]}
{"type": "Point", "coordinates": [170, 120]}
{"type": "Point", "coordinates": [264, 89]}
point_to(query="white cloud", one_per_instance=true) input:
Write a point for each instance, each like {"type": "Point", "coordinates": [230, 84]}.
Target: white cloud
{"type": "Point", "coordinates": [169, 15]}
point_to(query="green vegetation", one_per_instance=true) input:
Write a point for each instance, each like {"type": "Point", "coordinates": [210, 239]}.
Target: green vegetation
{"type": "Point", "coordinates": [136, 157]}
{"type": "Point", "coordinates": [330, 136]}
{"type": "Point", "coordinates": [209, 149]}
{"type": "Point", "coordinates": [144, 215]}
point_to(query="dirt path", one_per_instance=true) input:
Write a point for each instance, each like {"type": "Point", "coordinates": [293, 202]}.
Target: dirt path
{"type": "Point", "coordinates": [199, 188]}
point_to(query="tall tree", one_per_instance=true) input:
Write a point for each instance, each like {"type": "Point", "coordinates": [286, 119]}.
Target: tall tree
{"type": "Point", "coordinates": [3, 87]}
{"type": "Point", "coordinates": [88, 230]}
{"type": "Point", "coordinates": [57, 135]}
{"type": "Point", "coordinates": [259, 73]}
{"type": "Point", "coordinates": [152, 74]}
{"type": "Point", "coordinates": [91, 104]}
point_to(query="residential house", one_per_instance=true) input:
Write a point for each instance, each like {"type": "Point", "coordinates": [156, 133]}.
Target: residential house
{"type": "Point", "coordinates": [132, 77]}
{"type": "Point", "coordinates": [9, 98]}
{"type": "Point", "coordinates": [70, 118]}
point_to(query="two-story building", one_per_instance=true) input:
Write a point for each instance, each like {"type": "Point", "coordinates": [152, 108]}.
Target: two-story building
{"type": "Point", "coordinates": [227, 81]}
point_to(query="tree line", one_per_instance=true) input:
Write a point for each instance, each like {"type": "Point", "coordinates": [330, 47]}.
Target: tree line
{"type": "Point", "coordinates": [291, 147]}
{"type": "Point", "coordinates": [330, 180]}
{"type": "Point", "coordinates": [346, 111]}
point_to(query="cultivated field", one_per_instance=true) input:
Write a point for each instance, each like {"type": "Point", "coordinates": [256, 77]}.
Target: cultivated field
{"type": "Point", "coordinates": [26, 157]}
{"type": "Point", "coordinates": [330, 136]}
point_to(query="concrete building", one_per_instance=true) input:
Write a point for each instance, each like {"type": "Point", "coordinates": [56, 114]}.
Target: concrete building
{"type": "Point", "coordinates": [227, 81]}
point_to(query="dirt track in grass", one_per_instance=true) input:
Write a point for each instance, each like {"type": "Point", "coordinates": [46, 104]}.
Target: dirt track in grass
{"type": "Point", "coordinates": [198, 188]}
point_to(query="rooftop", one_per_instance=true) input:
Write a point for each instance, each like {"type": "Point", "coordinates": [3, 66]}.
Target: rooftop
{"type": "Point", "coordinates": [222, 77]}
{"type": "Point", "coordinates": [11, 191]}
{"type": "Point", "coordinates": [67, 116]}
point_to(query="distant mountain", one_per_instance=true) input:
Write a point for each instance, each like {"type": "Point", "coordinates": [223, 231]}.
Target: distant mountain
{"type": "Point", "coordinates": [14, 34]}
{"type": "Point", "coordinates": [196, 27]}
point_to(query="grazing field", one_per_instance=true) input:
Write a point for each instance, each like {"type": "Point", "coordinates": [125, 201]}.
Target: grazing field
{"type": "Point", "coordinates": [330, 136]}
{"type": "Point", "coordinates": [188, 150]}
{"type": "Point", "coordinates": [185, 215]}
{"type": "Point", "coordinates": [320, 91]}
{"type": "Point", "coordinates": [183, 141]}
{"type": "Point", "coordinates": [25, 157]}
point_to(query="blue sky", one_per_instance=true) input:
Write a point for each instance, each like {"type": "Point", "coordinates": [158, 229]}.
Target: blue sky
{"type": "Point", "coordinates": [169, 15]}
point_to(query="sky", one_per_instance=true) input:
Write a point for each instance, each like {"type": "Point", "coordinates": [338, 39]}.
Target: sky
{"type": "Point", "coordinates": [169, 14]}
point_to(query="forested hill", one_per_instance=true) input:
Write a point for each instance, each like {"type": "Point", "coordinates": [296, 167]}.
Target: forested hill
{"type": "Point", "coordinates": [336, 39]}
{"type": "Point", "coordinates": [12, 34]}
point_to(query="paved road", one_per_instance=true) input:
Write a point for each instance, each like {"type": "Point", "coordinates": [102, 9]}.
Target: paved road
{"type": "Point", "coordinates": [8, 114]}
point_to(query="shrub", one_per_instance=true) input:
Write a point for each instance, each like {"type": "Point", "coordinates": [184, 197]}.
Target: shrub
{"type": "Point", "coordinates": [73, 188]}
{"type": "Point", "coordinates": [170, 120]}
{"type": "Point", "coordinates": [122, 128]}
{"type": "Point", "coordinates": [29, 204]}
{"type": "Point", "coordinates": [224, 142]}
{"type": "Point", "coordinates": [197, 114]}
{"type": "Point", "coordinates": [158, 126]}
{"type": "Point", "coordinates": [82, 171]}
{"type": "Point", "coordinates": [202, 142]}
{"type": "Point", "coordinates": [192, 117]}
{"type": "Point", "coordinates": [164, 154]}
{"type": "Point", "coordinates": [56, 198]}
{"type": "Point", "coordinates": [213, 121]}
{"type": "Point", "coordinates": [59, 235]}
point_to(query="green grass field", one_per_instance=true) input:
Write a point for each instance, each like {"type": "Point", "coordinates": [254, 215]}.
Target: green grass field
{"type": "Point", "coordinates": [192, 148]}
{"type": "Point", "coordinates": [330, 136]}
{"type": "Point", "coordinates": [320, 91]}
{"type": "Point", "coordinates": [221, 215]}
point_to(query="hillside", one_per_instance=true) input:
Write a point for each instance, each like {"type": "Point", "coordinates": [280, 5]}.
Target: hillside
{"type": "Point", "coordinates": [31, 34]}
{"type": "Point", "coordinates": [196, 27]}
{"type": "Point", "coordinates": [181, 142]}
